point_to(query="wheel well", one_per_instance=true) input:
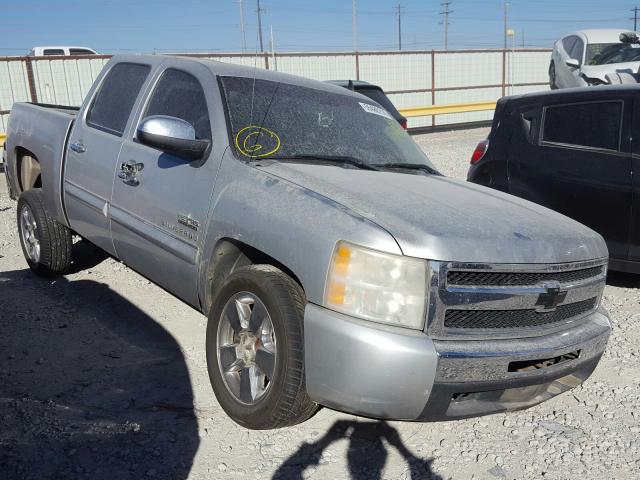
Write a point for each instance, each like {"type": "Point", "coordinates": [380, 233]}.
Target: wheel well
{"type": "Point", "coordinates": [29, 172]}
{"type": "Point", "coordinates": [231, 254]}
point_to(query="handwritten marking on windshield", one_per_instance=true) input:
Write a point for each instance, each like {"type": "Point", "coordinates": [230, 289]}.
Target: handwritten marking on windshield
{"type": "Point", "coordinates": [255, 142]}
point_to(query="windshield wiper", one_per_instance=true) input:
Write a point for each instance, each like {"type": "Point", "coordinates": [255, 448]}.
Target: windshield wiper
{"type": "Point", "coordinates": [324, 158]}
{"type": "Point", "coordinates": [408, 166]}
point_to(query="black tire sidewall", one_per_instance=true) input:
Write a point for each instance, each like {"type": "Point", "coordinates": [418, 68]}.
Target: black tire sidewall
{"type": "Point", "coordinates": [31, 198]}
{"type": "Point", "coordinates": [264, 413]}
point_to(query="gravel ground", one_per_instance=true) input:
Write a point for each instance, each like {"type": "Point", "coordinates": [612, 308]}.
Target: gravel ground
{"type": "Point", "coordinates": [103, 375]}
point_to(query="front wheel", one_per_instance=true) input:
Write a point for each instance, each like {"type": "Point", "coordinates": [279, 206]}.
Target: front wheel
{"type": "Point", "coordinates": [46, 244]}
{"type": "Point", "coordinates": [255, 349]}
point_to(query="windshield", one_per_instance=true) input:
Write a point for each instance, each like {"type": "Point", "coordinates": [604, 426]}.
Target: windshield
{"type": "Point", "coordinates": [607, 53]}
{"type": "Point", "coordinates": [289, 121]}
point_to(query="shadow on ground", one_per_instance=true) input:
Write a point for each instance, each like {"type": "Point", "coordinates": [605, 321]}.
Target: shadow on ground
{"type": "Point", "coordinates": [90, 386]}
{"type": "Point", "coordinates": [366, 455]}
{"type": "Point", "coordinates": [623, 279]}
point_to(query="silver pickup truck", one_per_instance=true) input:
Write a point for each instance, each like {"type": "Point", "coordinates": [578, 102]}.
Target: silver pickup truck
{"type": "Point", "coordinates": [335, 264]}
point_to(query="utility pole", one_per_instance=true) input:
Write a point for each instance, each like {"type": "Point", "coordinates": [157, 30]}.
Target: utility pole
{"type": "Point", "coordinates": [446, 12]}
{"type": "Point", "coordinates": [506, 18]}
{"type": "Point", "coordinates": [354, 25]}
{"type": "Point", "coordinates": [260, 25]}
{"type": "Point", "coordinates": [635, 18]}
{"type": "Point", "coordinates": [244, 38]}
{"type": "Point", "coordinates": [399, 9]}
{"type": "Point", "coordinates": [272, 47]}
{"type": "Point", "coordinates": [522, 38]}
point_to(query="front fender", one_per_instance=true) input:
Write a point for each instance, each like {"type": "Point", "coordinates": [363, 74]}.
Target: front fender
{"type": "Point", "coordinates": [296, 226]}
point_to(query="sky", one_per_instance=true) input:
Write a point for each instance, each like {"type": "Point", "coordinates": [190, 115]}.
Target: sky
{"type": "Point", "coordinates": [146, 26]}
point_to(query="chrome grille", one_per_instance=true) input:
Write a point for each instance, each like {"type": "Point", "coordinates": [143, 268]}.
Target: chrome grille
{"type": "Point", "coordinates": [499, 279]}
{"type": "Point", "coordinates": [515, 318]}
{"type": "Point", "coordinates": [511, 300]}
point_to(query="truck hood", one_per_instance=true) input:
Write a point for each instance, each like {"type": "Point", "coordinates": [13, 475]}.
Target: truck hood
{"type": "Point", "coordinates": [439, 218]}
{"type": "Point", "coordinates": [600, 71]}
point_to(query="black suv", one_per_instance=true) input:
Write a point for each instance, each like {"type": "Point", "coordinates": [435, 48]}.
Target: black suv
{"type": "Point", "coordinates": [574, 151]}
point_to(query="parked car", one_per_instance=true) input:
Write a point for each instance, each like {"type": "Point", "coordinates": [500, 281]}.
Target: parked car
{"type": "Point", "coordinates": [375, 93]}
{"type": "Point", "coordinates": [63, 51]}
{"type": "Point", "coordinates": [336, 266]}
{"type": "Point", "coordinates": [573, 151]}
{"type": "Point", "coordinates": [584, 58]}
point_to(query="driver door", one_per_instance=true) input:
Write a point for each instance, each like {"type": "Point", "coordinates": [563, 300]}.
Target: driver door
{"type": "Point", "coordinates": [158, 221]}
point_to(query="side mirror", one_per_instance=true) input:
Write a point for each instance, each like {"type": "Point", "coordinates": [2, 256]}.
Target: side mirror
{"type": "Point", "coordinates": [573, 63]}
{"type": "Point", "coordinates": [173, 135]}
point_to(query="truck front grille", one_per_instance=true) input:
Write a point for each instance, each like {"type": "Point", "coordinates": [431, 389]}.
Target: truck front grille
{"type": "Point", "coordinates": [499, 279]}
{"type": "Point", "coordinates": [511, 300]}
{"type": "Point", "coordinates": [515, 318]}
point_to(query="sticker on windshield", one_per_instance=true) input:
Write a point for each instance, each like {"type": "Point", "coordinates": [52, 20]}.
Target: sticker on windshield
{"type": "Point", "coordinates": [367, 107]}
{"type": "Point", "coordinates": [256, 142]}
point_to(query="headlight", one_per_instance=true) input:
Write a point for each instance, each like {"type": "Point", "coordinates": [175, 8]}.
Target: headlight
{"type": "Point", "coordinates": [377, 286]}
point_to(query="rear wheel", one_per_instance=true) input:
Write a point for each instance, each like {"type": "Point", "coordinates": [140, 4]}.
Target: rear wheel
{"type": "Point", "coordinates": [552, 77]}
{"type": "Point", "coordinates": [254, 347]}
{"type": "Point", "coordinates": [46, 244]}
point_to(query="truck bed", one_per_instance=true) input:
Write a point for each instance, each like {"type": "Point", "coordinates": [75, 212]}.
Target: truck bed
{"type": "Point", "coordinates": [42, 130]}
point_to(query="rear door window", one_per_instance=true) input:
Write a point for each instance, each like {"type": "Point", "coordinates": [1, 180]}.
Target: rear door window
{"type": "Point", "coordinates": [114, 101]}
{"type": "Point", "coordinates": [587, 125]}
{"type": "Point", "coordinates": [180, 95]}
{"type": "Point", "coordinates": [80, 51]}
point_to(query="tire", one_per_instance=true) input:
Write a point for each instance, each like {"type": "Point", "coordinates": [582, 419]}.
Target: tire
{"type": "Point", "coordinates": [36, 227]}
{"type": "Point", "coordinates": [269, 313]}
{"type": "Point", "coordinates": [552, 77]}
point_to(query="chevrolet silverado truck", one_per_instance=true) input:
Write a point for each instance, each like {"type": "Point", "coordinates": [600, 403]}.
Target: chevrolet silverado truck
{"type": "Point", "coordinates": [336, 266]}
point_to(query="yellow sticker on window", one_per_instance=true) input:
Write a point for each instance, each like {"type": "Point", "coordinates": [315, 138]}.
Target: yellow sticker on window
{"type": "Point", "coordinates": [256, 142]}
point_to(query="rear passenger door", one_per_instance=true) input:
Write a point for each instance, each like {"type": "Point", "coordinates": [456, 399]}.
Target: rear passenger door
{"type": "Point", "coordinates": [579, 164]}
{"type": "Point", "coordinates": [158, 223]}
{"type": "Point", "coordinates": [93, 149]}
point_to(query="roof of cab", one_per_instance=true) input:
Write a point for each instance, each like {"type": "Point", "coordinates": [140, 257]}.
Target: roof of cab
{"type": "Point", "coordinates": [231, 69]}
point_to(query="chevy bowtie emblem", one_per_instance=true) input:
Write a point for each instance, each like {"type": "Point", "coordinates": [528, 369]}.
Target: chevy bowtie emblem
{"type": "Point", "coordinates": [551, 299]}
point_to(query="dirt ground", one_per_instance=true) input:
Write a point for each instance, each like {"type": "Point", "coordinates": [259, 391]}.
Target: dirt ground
{"type": "Point", "coordinates": [103, 375]}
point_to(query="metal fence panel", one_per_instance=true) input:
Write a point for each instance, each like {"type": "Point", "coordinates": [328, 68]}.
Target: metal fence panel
{"type": "Point", "coordinates": [318, 67]}
{"type": "Point", "coordinates": [412, 78]}
{"type": "Point", "coordinates": [467, 69]}
{"type": "Point", "coordinates": [410, 71]}
{"type": "Point", "coordinates": [65, 81]}
{"type": "Point", "coordinates": [13, 84]}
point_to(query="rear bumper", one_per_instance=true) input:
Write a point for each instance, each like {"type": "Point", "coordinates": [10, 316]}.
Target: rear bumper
{"type": "Point", "coordinates": [393, 373]}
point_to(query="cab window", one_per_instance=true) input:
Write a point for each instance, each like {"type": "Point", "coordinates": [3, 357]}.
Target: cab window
{"type": "Point", "coordinates": [179, 94]}
{"type": "Point", "coordinates": [590, 125]}
{"type": "Point", "coordinates": [114, 101]}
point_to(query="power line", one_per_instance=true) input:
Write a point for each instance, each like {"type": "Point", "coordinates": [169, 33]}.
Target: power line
{"type": "Point", "coordinates": [446, 12]}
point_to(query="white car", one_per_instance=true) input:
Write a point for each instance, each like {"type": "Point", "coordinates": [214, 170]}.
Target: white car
{"type": "Point", "coordinates": [592, 57]}
{"type": "Point", "coordinates": [61, 51]}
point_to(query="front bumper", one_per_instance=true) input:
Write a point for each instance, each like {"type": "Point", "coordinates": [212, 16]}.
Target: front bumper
{"type": "Point", "coordinates": [394, 373]}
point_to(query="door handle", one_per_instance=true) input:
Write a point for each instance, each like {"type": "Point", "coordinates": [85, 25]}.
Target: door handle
{"type": "Point", "coordinates": [128, 171]}
{"type": "Point", "coordinates": [78, 147]}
